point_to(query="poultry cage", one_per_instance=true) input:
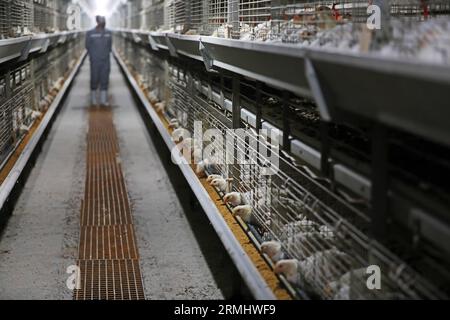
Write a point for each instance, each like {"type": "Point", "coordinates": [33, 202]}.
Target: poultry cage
{"type": "Point", "coordinates": [5, 118]}
{"type": "Point", "coordinates": [42, 81]}
{"type": "Point", "coordinates": [43, 16]}
{"type": "Point", "coordinates": [181, 15]}
{"type": "Point", "coordinates": [22, 101]}
{"type": "Point", "coordinates": [420, 10]}
{"type": "Point", "coordinates": [28, 87]}
{"type": "Point", "coordinates": [291, 209]}
{"type": "Point", "coordinates": [134, 14]}
{"type": "Point", "coordinates": [16, 18]}
{"type": "Point", "coordinates": [188, 16]}
{"type": "Point", "coordinates": [61, 14]}
{"type": "Point", "coordinates": [230, 18]}
{"type": "Point", "coordinates": [169, 15]}
{"type": "Point", "coordinates": [290, 21]}
{"type": "Point", "coordinates": [198, 17]}
{"type": "Point", "coordinates": [4, 25]}
{"type": "Point", "coordinates": [16, 101]}
{"type": "Point", "coordinates": [217, 15]}
{"type": "Point", "coordinates": [154, 15]}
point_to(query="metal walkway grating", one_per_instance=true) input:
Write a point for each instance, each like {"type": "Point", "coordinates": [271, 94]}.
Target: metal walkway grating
{"type": "Point", "coordinates": [108, 253]}
{"type": "Point", "coordinates": [110, 242]}
{"type": "Point", "coordinates": [110, 280]}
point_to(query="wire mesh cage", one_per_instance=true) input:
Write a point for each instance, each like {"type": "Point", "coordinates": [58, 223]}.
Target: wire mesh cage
{"type": "Point", "coordinates": [419, 9]}
{"type": "Point", "coordinates": [311, 230]}
{"type": "Point", "coordinates": [5, 129]}
{"type": "Point", "coordinates": [16, 101]}
{"type": "Point", "coordinates": [28, 88]}
{"type": "Point", "coordinates": [154, 15]}
{"type": "Point", "coordinates": [181, 15]}
{"type": "Point", "coordinates": [134, 9]}
{"type": "Point", "coordinates": [61, 15]}
{"type": "Point", "coordinates": [320, 237]}
{"type": "Point", "coordinates": [198, 16]}
{"type": "Point", "coordinates": [326, 249]}
{"type": "Point", "coordinates": [169, 15]}
{"type": "Point", "coordinates": [254, 12]}
{"type": "Point", "coordinates": [184, 16]}
{"type": "Point", "coordinates": [43, 16]}
{"type": "Point", "coordinates": [217, 17]}
{"type": "Point", "coordinates": [41, 82]}
{"type": "Point", "coordinates": [4, 24]}
{"type": "Point", "coordinates": [292, 21]}
{"type": "Point", "coordinates": [16, 18]}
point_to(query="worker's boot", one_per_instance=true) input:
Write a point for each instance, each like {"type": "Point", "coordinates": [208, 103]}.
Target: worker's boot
{"type": "Point", "coordinates": [94, 101]}
{"type": "Point", "coordinates": [104, 98]}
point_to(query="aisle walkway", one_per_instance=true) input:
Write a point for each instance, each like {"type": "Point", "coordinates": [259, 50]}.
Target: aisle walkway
{"type": "Point", "coordinates": [41, 238]}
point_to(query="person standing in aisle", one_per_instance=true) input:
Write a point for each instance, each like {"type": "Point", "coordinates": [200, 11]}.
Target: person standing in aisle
{"type": "Point", "coordinates": [99, 47]}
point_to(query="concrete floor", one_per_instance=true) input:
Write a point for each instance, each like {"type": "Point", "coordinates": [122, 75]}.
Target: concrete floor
{"type": "Point", "coordinates": [41, 238]}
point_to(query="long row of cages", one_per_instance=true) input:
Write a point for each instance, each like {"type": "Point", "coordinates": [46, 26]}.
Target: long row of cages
{"type": "Point", "coordinates": [316, 231]}
{"type": "Point", "coordinates": [287, 20]}
{"type": "Point", "coordinates": [27, 88]}
{"type": "Point", "coordinates": [27, 17]}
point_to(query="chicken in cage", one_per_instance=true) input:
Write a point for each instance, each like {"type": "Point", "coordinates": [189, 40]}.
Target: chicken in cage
{"type": "Point", "coordinates": [297, 233]}
{"type": "Point", "coordinates": [154, 16]}
{"type": "Point", "coordinates": [15, 18]}
{"type": "Point", "coordinates": [4, 24]}
{"type": "Point", "coordinates": [291, 190]}
{"type": "Point", "coordinates": [5, 119]}
{"type": "Point", "coordinates": [309, 243]}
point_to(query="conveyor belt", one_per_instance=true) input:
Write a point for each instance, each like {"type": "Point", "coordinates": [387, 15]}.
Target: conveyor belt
{"type": "Point", "coordinates": [109, 259]}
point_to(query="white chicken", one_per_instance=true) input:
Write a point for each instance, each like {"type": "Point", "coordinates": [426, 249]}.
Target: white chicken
{"type": "Point", "coordinates": [213, 177]}
{"type": "Point", "coordinates": [186, 144]}
{"type": "Point", "coordinates": [59, 84]}
{"type": "Point", "coordinates": [316, 271]}
{"type": "Point", "coordinates": [289, 269]}
{"type": "Point", "coordinates": [152, 97]}
{"type": "Point", "coordinates": [179, 135]}
{"type": "Point", "coordinates": [245, 213]}
{"type": "Point", "coordinates": [273, 250]}
{"type": "Point", "coordinates": [221, 184]}
{"type": "Point", "coordinates": [205, 167]}
{"type": "Point", "coordinates": [342, 288]}
{"type": "Point", "coordinates": [54, 92]}
{"type": "Point", "coordinates": [43, 104]}
{"type": "Point", "coordinates": [24, 128]}
{"type": "Point", "coordinates": [49, 98]}
{"type": "Point", "coordinates": [140, 80]}
{"type": "Point", "coordinates": [36, 114]}
{"type": "Point", "coordinates": [353, 286]}
{"type": "Point", "coordinates": [160, 106]}
{"type": "Point", "coordinates": [235, 199]}
{"type": "Point", "coordinates": [190, 148]}
{"type": "Point", "coordinates": [174, 124]}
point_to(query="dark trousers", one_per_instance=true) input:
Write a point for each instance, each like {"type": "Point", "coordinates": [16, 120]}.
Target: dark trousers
{"type": "Point", "coordinates": [100, 71]}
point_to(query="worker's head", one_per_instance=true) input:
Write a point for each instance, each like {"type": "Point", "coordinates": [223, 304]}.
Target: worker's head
{"type": "Point", "coordinates": [101, 21]}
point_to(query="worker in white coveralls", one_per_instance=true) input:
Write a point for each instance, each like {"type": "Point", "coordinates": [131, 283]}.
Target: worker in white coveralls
{"type": "Point", "coordinates": [99, 47]}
